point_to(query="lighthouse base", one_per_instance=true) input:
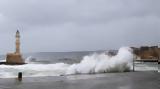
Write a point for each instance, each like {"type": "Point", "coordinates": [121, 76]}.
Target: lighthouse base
{"type": "Point", "coordinates": [13, 58]}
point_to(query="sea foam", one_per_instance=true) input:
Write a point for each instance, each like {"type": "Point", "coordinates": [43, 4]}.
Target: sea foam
{"type": "Point", "coordinates": [99, 63]}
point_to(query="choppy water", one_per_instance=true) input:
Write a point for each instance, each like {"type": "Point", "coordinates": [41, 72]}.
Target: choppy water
{"type": "Point", "coordinates": [146, 66]}
{"type": "Point", "coordinates": [62, 63]}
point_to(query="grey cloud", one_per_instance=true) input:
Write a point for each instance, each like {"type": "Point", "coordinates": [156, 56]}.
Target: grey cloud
{"type": "Point", "coordinates": [50, 11]}
{"type": "Point", "coordinates": [80, 24]}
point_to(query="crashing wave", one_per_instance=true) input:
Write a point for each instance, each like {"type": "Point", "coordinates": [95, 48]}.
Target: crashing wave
{"type": "Point", "coordinates": [98, 63]}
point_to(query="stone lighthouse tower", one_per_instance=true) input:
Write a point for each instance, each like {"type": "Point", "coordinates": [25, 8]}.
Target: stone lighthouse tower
{"type": "Point", "coordinates": [17, 42]}
{"type": "Point", "coordinates": [16, 57]}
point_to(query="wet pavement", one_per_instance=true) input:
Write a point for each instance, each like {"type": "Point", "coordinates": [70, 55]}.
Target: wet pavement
{"type": "Point", "coordinates": [128, 80]}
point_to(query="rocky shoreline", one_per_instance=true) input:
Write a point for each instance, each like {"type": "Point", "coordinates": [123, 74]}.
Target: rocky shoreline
{"type": "Point", "coordinates": [5, 63]}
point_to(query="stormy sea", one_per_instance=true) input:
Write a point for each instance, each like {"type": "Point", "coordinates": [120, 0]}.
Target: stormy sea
{"type": "Point", "coordinates": [73, 63]}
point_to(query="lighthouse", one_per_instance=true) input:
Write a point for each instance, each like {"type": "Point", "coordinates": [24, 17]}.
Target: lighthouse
{"type": "Point", "coordinates": [17, 42]}
{"type": "Point", "coordinates": [16, 57]}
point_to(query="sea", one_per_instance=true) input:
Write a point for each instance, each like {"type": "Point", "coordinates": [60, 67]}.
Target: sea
{"type": "Point", "coordinates": [42, 64]}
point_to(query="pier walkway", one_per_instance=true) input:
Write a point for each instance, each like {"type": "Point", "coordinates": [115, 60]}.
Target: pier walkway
{"type": "Point", "coordinates": [128, 80]}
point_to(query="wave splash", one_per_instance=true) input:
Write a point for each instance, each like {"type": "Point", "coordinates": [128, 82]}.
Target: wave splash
{"type": "Point", "coordinates": [100, 63]}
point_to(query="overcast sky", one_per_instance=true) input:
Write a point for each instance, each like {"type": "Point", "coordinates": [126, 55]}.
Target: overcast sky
{"type": "Point", "coordinates": [76, 25]}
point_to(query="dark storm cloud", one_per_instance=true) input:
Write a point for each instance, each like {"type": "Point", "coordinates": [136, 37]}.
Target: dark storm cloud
{"type": "Point", "coordinates": [66, 25]}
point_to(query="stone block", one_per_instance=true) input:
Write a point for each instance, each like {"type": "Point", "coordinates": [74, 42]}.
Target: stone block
{"type": "Point", "coordinates": [13, 58]}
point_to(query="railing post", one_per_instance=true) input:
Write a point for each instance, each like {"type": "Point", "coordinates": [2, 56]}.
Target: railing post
{"type": "Point", "coordinates": [133, 65]}
{"type": "Point", "coordinates": [20, 76]}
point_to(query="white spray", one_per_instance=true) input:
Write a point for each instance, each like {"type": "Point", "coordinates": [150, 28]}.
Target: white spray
{"type": "Point", "coordinates": [98, 63]}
